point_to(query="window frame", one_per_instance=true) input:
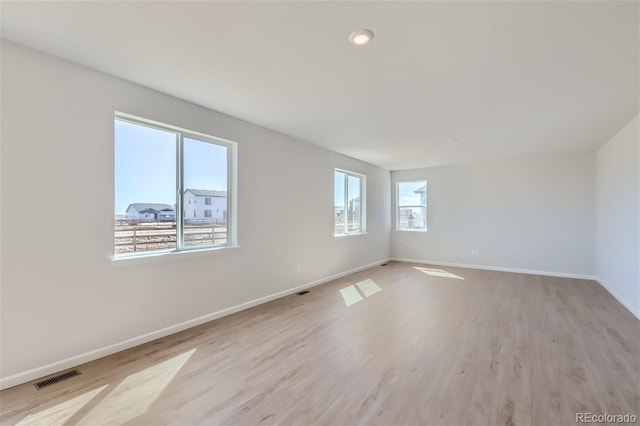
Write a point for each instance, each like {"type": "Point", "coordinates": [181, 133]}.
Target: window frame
{"type": "Point", "coordinates": [398, 206]}
{"type": "Point", "coordinates": [363, 203]}
{"type": "Point", "coordinates": [232, 166]}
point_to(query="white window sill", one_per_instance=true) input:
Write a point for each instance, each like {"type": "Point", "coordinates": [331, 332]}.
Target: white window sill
{"type": "Point", "coordinates": [413, 231]}
{"type": "Point", "coordinates": [355, 234]}
{"type": "Point", "coordinates": [169, 255]}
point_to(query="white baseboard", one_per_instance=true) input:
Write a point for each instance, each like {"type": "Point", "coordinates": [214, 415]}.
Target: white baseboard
{"type": "Point", "coordinates": [497, 268]}
{"type": "Point", "coordinates": [54, 367]}
{"type": "Point", "coordinates": [623, 302]}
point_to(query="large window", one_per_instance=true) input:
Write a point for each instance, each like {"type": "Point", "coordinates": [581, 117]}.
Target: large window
{"type": "Point", "coordinates": [349, 203]}
{"type": "Point", "coordinates": [160, 174]}
{"type": "Point", "coordinates": [411, 214]}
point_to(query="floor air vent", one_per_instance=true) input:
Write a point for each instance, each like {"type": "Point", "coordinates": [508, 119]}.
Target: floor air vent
{"type": "Point", "coordinates": [302, 293]}
{"type": "Point", "coordinates": [58, 378]}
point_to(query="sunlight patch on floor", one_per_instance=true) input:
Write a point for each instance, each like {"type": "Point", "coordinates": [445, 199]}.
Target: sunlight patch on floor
{"type": "Point", "coordinates": [368, 287]}
{"type": "Point", "coordinates": [135, 394]}
{"type": "Point", "coordinates": [60, 413]}
{"type": "Point", "coordinates": [438, 273]}
{"type": "Point", "coordinates": [351, 295]}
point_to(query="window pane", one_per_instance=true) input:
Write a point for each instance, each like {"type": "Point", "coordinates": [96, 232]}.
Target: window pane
{"type": "Point", "coordinates": [409, 193]}
{"type": "Point", "coordinates": [353, 199]}
{"type": "Point", "coordinates": [338, 202]}
{"type": "Point", "coordinates": [205, 178]}
{"type": "Point", "coordinates": [412, 205]}
{"type": "Point", "coordinates": [412, 218]}
{"type": "Point", "coordinates": [145, 188]}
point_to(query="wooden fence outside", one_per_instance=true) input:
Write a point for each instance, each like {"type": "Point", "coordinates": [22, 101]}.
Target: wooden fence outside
{"type": "Point", "coordinates": [130, 237]}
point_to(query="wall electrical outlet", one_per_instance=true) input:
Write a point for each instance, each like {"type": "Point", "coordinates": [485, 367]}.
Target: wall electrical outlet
{"type": "Point", "coordinates": [299, 268]}
{"type": "Point", "coordinates": [475, 252]}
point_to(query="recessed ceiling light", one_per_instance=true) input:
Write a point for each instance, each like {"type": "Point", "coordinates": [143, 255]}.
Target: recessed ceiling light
{"type": "Point", "coordinates": [361, 37]}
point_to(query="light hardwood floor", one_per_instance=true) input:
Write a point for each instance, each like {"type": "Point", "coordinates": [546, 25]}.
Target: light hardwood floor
{"type": "Point", "coordinates": [437, 345]}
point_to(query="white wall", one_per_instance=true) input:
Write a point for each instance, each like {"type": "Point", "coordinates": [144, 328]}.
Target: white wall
{"type": "Point", "coordinates": [535, 214]}
{"type": "Point", "coordinates": [618, 215]}
{"type": "Point", "coordinates": [61, 294]}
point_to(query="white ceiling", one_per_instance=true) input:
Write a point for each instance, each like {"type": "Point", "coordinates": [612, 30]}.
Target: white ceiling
{"type": "Point", "coordinates": [506, 78]}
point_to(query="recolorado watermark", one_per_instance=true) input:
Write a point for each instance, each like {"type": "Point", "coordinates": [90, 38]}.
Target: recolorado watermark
{"type": "Point", "coordinates": [605, 418]}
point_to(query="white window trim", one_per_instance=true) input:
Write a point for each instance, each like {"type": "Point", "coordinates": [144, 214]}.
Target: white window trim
{"type": "Point", "coordinates": [232, 186]}
{"type": "Point", "coordinates": [155, 256]}
{"type": "Point", "coordinates": [363, 203]}
{"type": "Point", "coordinates": [397, 210]}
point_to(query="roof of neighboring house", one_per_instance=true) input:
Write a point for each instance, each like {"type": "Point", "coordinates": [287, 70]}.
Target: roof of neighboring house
{"type": "Point", "coordinates": [423, 188]}
{"type": "Point", "coordinates": [206, 193]}
{"type": "Point", "coordinates": [155, 207]}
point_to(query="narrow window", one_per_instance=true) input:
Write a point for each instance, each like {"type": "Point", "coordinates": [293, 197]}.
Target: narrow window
{"type": "Point", "coordinates": [159, 167]}
{"type": "Point", "coordinates": [349, 203]}
{"type": "Point", "coordinates": [411, 199]}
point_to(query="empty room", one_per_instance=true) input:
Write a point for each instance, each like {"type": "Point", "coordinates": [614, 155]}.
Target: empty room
{"type": "Point", "coordinates": [320, 212]}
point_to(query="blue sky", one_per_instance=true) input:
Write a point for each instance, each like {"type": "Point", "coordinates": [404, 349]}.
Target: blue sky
{"type": "Point", "coordinates": [145, 168]}
{"type": "Point", "coordinates": [338, 189]}
{"type": "Point", "coordinates": [407, 195]}
{"type": "Point", "coordinates": [145, 165]}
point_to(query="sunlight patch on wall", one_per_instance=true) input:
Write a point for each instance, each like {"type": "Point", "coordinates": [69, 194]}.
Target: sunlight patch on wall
{"type": "Point", "coordinates": [438, 273]}
{"type": "Point", "coordinates": [60, 413]}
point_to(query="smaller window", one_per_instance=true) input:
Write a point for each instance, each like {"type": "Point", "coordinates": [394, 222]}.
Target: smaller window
{"type": "Point", "coordinates": [349, 196]}
{"type": "Point", "coordinates": [411, 199]}
{"type": "Point", "coordinates": [207, 201]}
{"type": "Point", "coordinates": [207, 213]}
